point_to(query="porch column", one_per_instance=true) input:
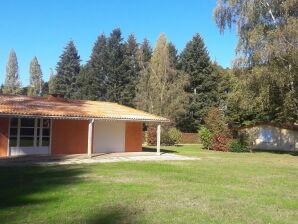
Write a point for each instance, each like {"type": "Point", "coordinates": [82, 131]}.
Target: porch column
{"type": "Point", "coordinates": [90, 134]}
{"type": "Point", "coordinates": [158, 140]}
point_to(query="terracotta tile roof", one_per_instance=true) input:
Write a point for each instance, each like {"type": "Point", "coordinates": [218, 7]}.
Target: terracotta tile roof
{"type": "Point", "coordinates": [72, 109]}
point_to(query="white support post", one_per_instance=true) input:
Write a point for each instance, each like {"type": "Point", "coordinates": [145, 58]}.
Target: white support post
{"type": "Point", "coordinates": [158, 140]}
{"type": "Point", "coordinates": [90, 135]}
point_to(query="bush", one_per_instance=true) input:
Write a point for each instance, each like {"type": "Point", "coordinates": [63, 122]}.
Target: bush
{"type": "Point", "coordinates": [205, 136]}
{"type": "Point", "coordinates": [236, 145]}
{"type": "Point", "coordinates": [170, 136]}
{"type": "Point", "coordinates": [219, 142]}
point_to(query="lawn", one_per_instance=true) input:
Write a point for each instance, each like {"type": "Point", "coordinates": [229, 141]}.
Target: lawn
{"type": "Point", "coordinates": [219, 188]}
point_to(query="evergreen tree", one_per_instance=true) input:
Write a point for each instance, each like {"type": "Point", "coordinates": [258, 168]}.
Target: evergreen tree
{"type": "Point", "coordinates": [173, 52]}
{"type": "Point", "coordinates": [1, 89]}
{"type": "Point", "coordinates": [146, 51]}
{"type": "Point", "coordinates": [132, 70]}
{"type": "Point", "coordinates": [116, 69]}
{"type": "Point", "coordinates": [93, 75]}
{"type": "Point", "coordinates": [36, 82]}
{"type": "Point", "coordinates": [12, 82]}
{"type": "Point", "coordinates": [161, 87]}
{"type": "Point", "coordinates": [68, 69]}
{"type": "Point", "coordinates": [202, 89]}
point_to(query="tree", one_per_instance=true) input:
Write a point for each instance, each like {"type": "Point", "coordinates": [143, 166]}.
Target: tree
{"type": "Point", "coordinates": [12, 82]}
{"type": "Point", "coordinates": [132, 71]}
{"type": "Point", "coordinates": [203, 85]}
{"type": "Point", "coordinates": [144, 53]}
{"type": "Point", "coordinates": [173, 52]}
{"type": "Point", "coordinates": [92, 77]}
{"type": "Point", "coordinates": [68, 69]}
{"type": "Point", "coordinates": [161, 87]}
{"type": "Point", "coordinates": [120, 73]}
{"type": "Point", "coordinates": [267, 31]}
{"type": "Point", "coordinates": [52, 83]}
{"type": "Point", "coordinates": [36, 82]}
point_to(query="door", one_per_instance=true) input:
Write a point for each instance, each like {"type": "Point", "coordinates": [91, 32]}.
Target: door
{"type": "Point", "coordinates": [109, 136]}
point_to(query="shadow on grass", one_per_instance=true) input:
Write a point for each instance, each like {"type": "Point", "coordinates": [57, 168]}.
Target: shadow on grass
{"type": "Point", "coordinates": [277, 152]}
{"type": "Point", "coordinates": [21, 186]}
{"type": "Point", "coordinates": [148, 149]}
{"type": "Point", "coordinates": [115, 215]}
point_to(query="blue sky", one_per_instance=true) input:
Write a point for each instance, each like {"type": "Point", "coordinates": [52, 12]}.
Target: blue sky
{"type": "Point", "coordinates": [42, 28]}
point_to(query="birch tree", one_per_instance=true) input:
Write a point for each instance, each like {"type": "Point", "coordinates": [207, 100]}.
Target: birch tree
{"type": "Point", "coordinates": [267, 55]}
{"type": "Point", "coordinates": [161, 87]}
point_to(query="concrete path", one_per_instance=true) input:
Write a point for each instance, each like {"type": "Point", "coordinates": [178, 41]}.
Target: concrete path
{"type": "Point", "coordinates": [100, 158]}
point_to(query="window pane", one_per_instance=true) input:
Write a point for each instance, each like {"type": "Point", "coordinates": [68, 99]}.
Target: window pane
{"type": "Point", "coordinates": [26, 141]}
{"type": "Point", "coordinates": [14, 122]}
{"type": "Point", "coordinates": [13, 141]}
{"type": "Point", "coordinates": [27, 122]}
{"type": "Point", "coordinates": [13, 131]}
{"type": "Point", "coordinates": [45, 141]}
{"type": "Point", "coordinates": [46, 132]}
{"type": "Point", "coordinates": [27, 131]}
{"type": "Point", "coordinates": [46, 123]}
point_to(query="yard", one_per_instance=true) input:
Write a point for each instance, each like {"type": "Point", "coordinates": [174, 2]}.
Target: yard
{"type": "Point", "coordinates": [219, 188]}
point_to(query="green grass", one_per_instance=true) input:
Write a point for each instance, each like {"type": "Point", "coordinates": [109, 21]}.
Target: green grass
{"type": "Point", "coordinates": [219, 188]}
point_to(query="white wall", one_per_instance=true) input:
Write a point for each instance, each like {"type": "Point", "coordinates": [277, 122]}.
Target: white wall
{"type": "Point", "coordinates": [109, 136]}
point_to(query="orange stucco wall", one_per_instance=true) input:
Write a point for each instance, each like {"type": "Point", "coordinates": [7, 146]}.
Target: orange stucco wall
{"type": "Point", "coordinates": [4, 122]}
{"type": "Point", "coordinates": [69, 136]}
{"type": "Point", "coordinates": [133, 136]}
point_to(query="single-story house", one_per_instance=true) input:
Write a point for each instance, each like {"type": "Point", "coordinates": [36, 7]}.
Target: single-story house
{"type": "Point", "coordinates": [54, 125]}
{"type": "Point", "coordinates": [272, 136]}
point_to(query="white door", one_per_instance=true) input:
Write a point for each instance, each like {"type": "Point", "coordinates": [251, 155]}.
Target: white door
{"type": "Point", "coordinates": [109, 136]}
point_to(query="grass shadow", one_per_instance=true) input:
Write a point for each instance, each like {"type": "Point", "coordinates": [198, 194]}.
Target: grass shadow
{"type": "Point", "coordinates": [20, 185]}
{"type": "Point", "coordinates": [115, 215]}
{"type": "Point", "coordinates": [149, 149]}
{"type": "Point", "coordinates": [277, 152]}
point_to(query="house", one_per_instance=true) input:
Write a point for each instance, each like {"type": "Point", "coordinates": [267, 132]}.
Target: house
{"type": "Point", "coordinates": [272, 136]}
{"type": "Point", "coordinates": [54, 125]}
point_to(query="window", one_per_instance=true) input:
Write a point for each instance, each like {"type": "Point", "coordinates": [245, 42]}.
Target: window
{"type": "Point", "coordinates": [266, 136]}
{"type": "Point", "coordinates": [29, 132]}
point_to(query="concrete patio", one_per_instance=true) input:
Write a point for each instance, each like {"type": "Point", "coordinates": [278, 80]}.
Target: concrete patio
{"type": "Point", "coordinates": [96, 158]}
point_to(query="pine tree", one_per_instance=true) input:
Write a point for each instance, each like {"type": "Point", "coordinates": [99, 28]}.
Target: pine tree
{"type": "Point", "coordinates": [12, 82]}
{"type": "Point", "coordinates": [92, 77]}
{"type": "Point", "coordinates": [146, 51]}
{"type": "Point", "coordinates": [132, 71]}
{"type": "Point", "coordinates": [195, 61]}
{"type": "Point", "coordinates": [68, 69]}
{"type": "Point", "coordinates": [116, 73]}
{"type": "Point", "coordinates": [36, 82]}
{"type": "Point", "coordinates": [173, 52]}
{"type": "Point", "coordinates": [161, 87]}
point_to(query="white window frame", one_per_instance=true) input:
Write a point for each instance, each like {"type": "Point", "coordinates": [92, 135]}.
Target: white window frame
{"type": "Point", "coordinates": [36, 143]}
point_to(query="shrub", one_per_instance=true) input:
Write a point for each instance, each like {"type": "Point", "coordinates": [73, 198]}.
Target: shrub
{"type": "Point", "coordinates": [170, 136]}
{"type": "Point", "coordinates": [236, 145]}
{"type": "Point", "coordinates": [205, 136]}
{"type": "Point", "coordinates": [219, 142]}
{"type": "Point", "coordinates": [175, 135]}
